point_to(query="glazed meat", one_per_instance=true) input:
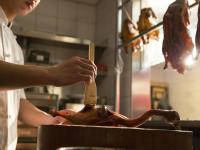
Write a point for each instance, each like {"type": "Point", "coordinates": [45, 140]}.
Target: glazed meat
{"type": "Point", "coordinates": [177, 43]}
{"type": "Point", "coordinates": [146, 21]}
{"type": "Point", "coordinates": [197, 38]}
{"type": "Point", "coordinates": [91, 115]}
{"type": "Point", "coordinates": [129, 31]}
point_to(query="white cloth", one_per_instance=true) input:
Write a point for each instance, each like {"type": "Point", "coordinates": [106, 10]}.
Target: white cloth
{"type": "Point", "coordinates": [10, 52]}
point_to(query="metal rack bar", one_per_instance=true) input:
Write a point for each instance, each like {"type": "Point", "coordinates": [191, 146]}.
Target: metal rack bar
{"type": "Point", "coordinates": [124, 3]}
{"type": "Point", "coordinates": [149, 30]}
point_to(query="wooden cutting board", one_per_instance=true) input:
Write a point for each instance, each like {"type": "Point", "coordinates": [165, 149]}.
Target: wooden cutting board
{"type": "Point", "coordinates": [51, 137]}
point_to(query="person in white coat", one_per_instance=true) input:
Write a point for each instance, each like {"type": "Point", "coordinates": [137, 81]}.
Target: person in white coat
{"type": "Point", "coordinates": [14, 76]}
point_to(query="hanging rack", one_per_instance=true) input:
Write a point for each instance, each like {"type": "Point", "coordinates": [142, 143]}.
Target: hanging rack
{"type": "Point", "coordinates": [147, 31]}
{"type": "Point", "coordinates": [124, 3]}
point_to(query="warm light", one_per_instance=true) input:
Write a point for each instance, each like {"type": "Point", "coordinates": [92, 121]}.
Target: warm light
{"type": "Point", "coordinates": [189, 60]}
{"type": "Point", "coordinates": [191, 1]}
{"type": "Point", "coordinates": [194, 53]}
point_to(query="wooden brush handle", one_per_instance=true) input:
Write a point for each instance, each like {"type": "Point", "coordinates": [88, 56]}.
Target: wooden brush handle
{"type": "Point", "coordinates": [91, 52]}
{"type": "Point", "coordinates": [91, 89]}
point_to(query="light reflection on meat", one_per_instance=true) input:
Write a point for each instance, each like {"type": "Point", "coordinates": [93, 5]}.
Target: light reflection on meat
{"type": "Point", "coordinates": [177, 43]}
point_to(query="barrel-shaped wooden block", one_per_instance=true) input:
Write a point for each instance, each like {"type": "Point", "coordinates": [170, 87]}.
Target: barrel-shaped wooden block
{"type": "Point", "coordinates": [52, 137]}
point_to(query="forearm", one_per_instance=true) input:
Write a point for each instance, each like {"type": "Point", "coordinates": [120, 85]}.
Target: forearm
{"type": "Point", "coordinates": [14, 76]}
{"type": "Point", "coordinates": [71, 71]}
{"type": "Point", "coordinates": [31, 115]}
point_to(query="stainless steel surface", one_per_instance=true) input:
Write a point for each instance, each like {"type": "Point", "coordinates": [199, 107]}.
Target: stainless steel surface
{"type": "Point", "coordinates": [140, 92]}
{"type": "Point", "coordinates": [87, 148]}
{"type": "Point", "coordinates": [41, 96]}
{"type": "Point", "coordinates": [44, 103]}
{"type": "Point", "coordinates": [43, 100]}
{"type": "Point", "coordinates": [51, 37]}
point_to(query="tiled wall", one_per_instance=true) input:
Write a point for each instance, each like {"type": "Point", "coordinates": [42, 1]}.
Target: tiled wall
{"type": "Point", "coordinates": [63, 17]}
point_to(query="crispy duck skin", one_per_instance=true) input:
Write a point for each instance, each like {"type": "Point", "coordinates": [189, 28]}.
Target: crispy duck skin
{"type": "Point", "coordinates": [129, 31]}
{"type": "Point", "coordinates": [177, 43]}
{"type": "Point", "coordinates": [197, 38]}
{"type": "Point", "coordinates": [144, 23]}
{"type": "Point", "coordinates": [102, 116]}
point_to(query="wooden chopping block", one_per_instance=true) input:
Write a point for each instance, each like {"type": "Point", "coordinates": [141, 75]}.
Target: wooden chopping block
{"type": "Point", "coordinates": [51, 137]}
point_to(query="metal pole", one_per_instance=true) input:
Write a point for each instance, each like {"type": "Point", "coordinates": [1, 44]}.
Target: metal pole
{"type": "Point", "coordinates": [122, 5]}
{"type": "Point", "coordinates": [117, 52]}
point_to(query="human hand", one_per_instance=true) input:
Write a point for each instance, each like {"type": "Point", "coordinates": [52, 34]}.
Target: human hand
{"type": "Point", "coordinates": [63, 112]}
{"type": "Point", "coordinates": [74, 70]}
{"type": "Point", "coordinates": [59, 116]}
{"type": "Point", "coordinates": [58, 120]}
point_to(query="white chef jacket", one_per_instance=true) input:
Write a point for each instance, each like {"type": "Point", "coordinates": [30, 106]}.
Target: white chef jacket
{"type": "Point", "coordinates": [10, 52]}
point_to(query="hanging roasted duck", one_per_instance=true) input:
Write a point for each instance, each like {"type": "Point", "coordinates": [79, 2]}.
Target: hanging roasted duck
{"type": "Point", "coordinates": [177, 43]}
{"type": "Point", "coordinates": [146, 21]}
{"type": "Point", "coordinates": [197, 38]}
{"type": "Point", "coordinates": [129, 31]}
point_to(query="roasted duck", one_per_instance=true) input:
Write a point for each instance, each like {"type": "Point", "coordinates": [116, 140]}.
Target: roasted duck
{"type": "Point", "coordinates": [146, 21]}
{"type": "Point", "coordinates": [197, 38]}
{"type": "Point", "coordinates": [102, 116]}
{"type": "Point", "coordinates": [177, 43]}
{"type": "Point", "coordinates": [129, 31]}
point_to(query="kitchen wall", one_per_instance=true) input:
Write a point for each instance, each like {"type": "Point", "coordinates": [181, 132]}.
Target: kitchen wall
{"type": "Point", "coordinates": [184, 95]}
{"type": "Point", "coordinates": [64, 17]}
